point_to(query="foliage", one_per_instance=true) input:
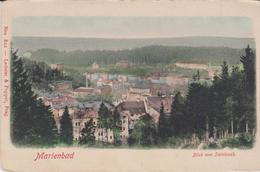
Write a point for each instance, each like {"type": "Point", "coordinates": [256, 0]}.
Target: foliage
{"type": "Point", "coordinates": [87, 134]}
{"type": "Point", "coordinates": [66, 133]}
{"type": "Point", "coordinates": [144, 132]}
{"type": "Point", "coordinates": [164, 128]}
{"type": "Point", "coordinates": [241, 140]}
{"type": "Point", "coordinates": [32, 122]}
{"type": "Point", "coordinates": [145, 55]}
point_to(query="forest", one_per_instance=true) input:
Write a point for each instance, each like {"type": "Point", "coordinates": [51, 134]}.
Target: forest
{"type": "Point", "coordinates": [145, 55]}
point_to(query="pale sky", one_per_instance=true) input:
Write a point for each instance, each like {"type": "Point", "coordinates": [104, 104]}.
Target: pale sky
{"type": "Point", "coordinates": [132, 27]}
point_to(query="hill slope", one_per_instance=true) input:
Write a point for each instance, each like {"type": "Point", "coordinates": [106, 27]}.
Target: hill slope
{"type": "Point", "coordinates": [69, 44]}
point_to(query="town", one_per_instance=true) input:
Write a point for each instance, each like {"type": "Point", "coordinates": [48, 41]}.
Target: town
{"type": "Point", "coordinates": [132, 97]}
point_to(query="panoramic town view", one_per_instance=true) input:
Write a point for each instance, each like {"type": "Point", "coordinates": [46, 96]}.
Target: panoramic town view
{"type": "Point", "coordinates": [123, 86]}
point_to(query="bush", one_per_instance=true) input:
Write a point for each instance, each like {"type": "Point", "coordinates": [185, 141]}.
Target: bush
{"type": "Point", "coordinates": [241, 140]}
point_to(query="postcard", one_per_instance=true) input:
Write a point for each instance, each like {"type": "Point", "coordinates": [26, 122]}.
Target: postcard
{"type": "Point", "coordinates": [129, 86]}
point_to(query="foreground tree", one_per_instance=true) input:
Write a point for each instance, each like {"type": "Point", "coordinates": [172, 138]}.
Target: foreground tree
{"type": "Point", "coordinates": [66, 134]}
{"type": "Point", "coordinates": [31, 121]}
{"type": "Point", "coordinates": [177, 118]}
{"type": "Point", "coordinates": [144, 132]}
{"type": "Point", "coordinates": [87, 134]}
{"type": "Point", "coordinates": [164, 128]}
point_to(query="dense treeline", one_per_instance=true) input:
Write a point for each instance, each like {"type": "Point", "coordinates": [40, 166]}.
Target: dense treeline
{"type": "Point", "coordinates": [41, 74]}
{"type": "Point", "coordinates": [145, 55]}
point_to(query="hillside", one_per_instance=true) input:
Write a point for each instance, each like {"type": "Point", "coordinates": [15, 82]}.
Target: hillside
{"type": "Point", "coordinates": [70, 44]}
{"type": "Point", "coordinates": [145, 55]}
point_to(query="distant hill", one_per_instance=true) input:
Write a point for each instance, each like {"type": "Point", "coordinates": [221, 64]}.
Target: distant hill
{"type": "Point", "coordinates": [70, 44]}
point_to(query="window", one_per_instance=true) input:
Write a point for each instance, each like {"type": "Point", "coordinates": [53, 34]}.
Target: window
{"type": "Point", "coordinates": [123, 121]}
{"type": "Point", "coordinates": [111, 137]}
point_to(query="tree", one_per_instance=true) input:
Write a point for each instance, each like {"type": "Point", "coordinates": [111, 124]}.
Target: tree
{"type": "Point", "coordinates": [144, 132]}
{"type": "Point", "coordinates": [177, 118]}
{"type": "Point", "coordinates": [249, 98]}
{"type": "Point", "coordinates": [87, 134]}
{"type": "Point", "coordinates": [197, 106]}
{"type": "Point", "coordinates": [248, 61]}
{"type": "Point", "coordinates": [224, 67]}
{"type": "Point", "coordinates": [105, 117]}
{"type": "Point", "coordinates": [66, 134]}
{"type": "Point", "coordinates": [31, 121]}
{"type": "Point", "coordinates": [116, 127]}
{"type": "Point", "coordinates": [164, 129]}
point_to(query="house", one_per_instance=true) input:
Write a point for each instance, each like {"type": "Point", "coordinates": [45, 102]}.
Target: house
{"type": "Point", "coordinates": [105, 90]}
{"type": "Point", "coordinates": [192, 65]}
{"type": "Point", "coordinates": [138, 93]}
{"type": "Point", "coordinates": [173, 80]}
{"type": "Point", "coordinates": [160, 89]}
{"type": "Point", "coordinates": [95, 66]}
{"type": "Point", "coordinates": [80, 119]}
{"type": "Point", "coordinates": [85, 91]}
{"type": "Point", "coordinates": [130, 112]}
{"type": "Point", "coordinates": [154, 103]}
{"type": "Point", "coordinates": [58, 66]}
{"type": "Point", "coordinates": [62, 86]}
{"type": "Point", "coordinates": [123, 64]}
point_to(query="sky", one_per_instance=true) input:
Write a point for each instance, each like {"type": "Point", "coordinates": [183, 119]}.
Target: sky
{"type": "Point", "coordinates": [132, 27]}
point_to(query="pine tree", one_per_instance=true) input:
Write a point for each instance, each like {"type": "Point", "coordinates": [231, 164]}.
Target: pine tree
{"type": "Point", "coordinates": [87, 134]}
{"type": "Point", "coordinates": [177, 118]}
{"type": "Point", "coordinates": [66, 132]}
{"type": "Point", "coordinates": [164, 129]}
{"type": "Point", "coordinates": [105, 117]}
{"type": "Point", "coordinates": [31, 121]}
{"type": "Point", "coordinates": [224, 67]}
{"type": "Point", "coordinates": [249, 88]}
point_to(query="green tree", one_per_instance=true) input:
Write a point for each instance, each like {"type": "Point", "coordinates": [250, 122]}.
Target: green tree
{"type": "Point", "coordinates": [164, 129]}
{"type": "Point", "coordinates": [31, 121]}
{"type": "Point", "coordinates": [177, 118]}
{"type": "Point", "coordinates": [87, 134]}
{"type": "Point", "coordinates": [144, 132]}
{"type": "Point", "coordinates": [105, 117]}
{"type": "Point", "coordinates": [116, 127]}
{"type": "Point", "coordinates": [66, 130]}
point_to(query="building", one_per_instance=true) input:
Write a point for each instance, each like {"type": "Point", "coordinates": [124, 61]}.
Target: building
{"type": "Point", "coordinates": [86, 91]}
{"type": "Point", "coordinates": [192, 65]}
{"type": "Point", "coordinates": [80, 119]}
{"type": "Point", "coordinates": [62, 86]}
{"type": "Point", "coordinates": [130, 112]}
{"type": "Point", "coordinates": [123, 64]}
{"type": "Point", "coordinates": [95, 66]}
{"type": "Point", "coordinates": [174, 80]}
{"type": "Point", "coordinates": [105, 90]}
{"type": "Point", "coordinates": [58, 66]}
{"type": "Point", "coordinates": [154, 103]}
{"type": "Point", "coordinates": [138, 93]}
{"type": "Point", "coordinates": [161, 89]}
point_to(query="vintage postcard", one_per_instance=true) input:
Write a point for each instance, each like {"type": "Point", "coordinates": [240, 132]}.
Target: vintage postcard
{"type": "Point", "coordinates": [129, 86]}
